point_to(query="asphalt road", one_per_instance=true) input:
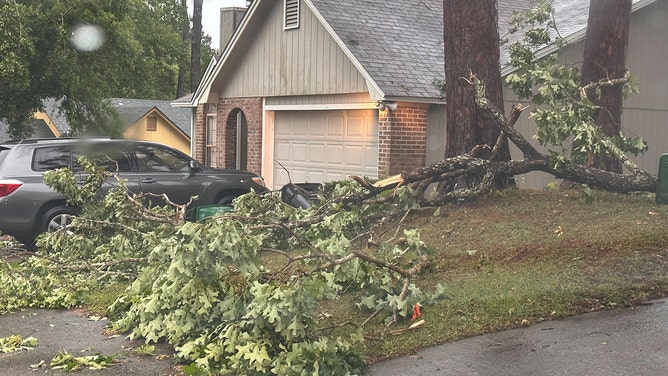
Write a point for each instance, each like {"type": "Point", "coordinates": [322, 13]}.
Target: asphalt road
{"type": "Point", "coordinates": [74, 332]}
{"type": "Point", "coordinates": [625, 342]}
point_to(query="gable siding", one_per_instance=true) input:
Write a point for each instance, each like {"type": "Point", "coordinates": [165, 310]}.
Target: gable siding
{"type": "Point", "coordinates": [645, 114]}
{"type": "Point", "coordinates": [165, 133]}
{"type": "Point", "coordinates": [303, 100]}
{"type": "Point", "coordinates": [277, 62]}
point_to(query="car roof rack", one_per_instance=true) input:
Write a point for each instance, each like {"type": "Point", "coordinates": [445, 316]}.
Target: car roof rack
{"type": "Point", "coordinates": [52, 139]}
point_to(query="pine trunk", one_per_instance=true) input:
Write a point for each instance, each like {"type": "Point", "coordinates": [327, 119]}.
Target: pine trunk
{"type": "Point", "coordinates": [604, 58]}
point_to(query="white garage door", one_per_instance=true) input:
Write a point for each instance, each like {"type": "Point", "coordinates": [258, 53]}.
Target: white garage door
{"type": "Point", "coordinates": [322, 146]}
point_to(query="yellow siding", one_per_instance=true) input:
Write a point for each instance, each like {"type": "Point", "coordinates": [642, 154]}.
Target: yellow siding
{"type": "Point", "coordinates": [166, 133]}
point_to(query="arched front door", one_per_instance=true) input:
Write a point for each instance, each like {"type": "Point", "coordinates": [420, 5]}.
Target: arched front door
{"type": "Point", "coordinates": [237, 140]}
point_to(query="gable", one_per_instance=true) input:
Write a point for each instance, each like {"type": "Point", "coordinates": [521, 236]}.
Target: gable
{"type": "Point", "coordinates": [266, 60]}
{"type": "Point", "coordinates": [159, 129]}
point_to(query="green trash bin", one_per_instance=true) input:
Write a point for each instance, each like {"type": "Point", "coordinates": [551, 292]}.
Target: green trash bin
{"type": "Point", "coordinates": [662, 185]}
{"type": "Point", "coordinates": [206, 211]}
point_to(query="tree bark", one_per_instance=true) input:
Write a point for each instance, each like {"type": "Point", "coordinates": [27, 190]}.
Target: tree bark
{"type": "Point", "coordinates": [196, 45]}
{"type": "Point", "coordinates": [471, 45]}
{"type": "Point", "coordinates": [183, 66]}
{"type": "Point", "coordinates": [604, 58]}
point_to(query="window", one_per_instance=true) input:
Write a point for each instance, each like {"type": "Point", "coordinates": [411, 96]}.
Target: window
{"type": "Point", "coordinates": [111, 157]}
{"type": "Point", "coordinates": [3, 154]}
{"type": "Point", "coordinates": [291, 12]}
{"type": "Point", "coordinates": [154, 158]}
{"type": "Point", "coordinates": [211, 125]}
{"type": "Point", "coordinates": [51, 158]}
{"type": "Point", "coordinates": [151, 124]}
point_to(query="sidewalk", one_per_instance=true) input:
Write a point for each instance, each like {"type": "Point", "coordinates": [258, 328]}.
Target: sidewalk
{"type": "Point", "coordinates": [629, 341]}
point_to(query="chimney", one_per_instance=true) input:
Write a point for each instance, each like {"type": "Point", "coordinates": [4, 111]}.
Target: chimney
{"type": "Point", "coordinates": [230, 18]}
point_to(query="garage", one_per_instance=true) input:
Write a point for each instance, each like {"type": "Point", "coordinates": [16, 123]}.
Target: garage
{"type": "Point", "coordinates": [323, 146]}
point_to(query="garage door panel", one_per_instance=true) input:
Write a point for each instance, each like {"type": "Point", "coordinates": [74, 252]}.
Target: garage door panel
{"type": "Point", "coordinates": [322, 146]}
{"type": "Point", "coordinates": [335, 127]}
{"type": "Point", "coordinates": [317, 153]}
{"type": "Point", "coordinates": [334, 154]}
{"type": "Point", "coordinates": [282, 151]}
{"type": "Point", "coordinates": [299, 152]}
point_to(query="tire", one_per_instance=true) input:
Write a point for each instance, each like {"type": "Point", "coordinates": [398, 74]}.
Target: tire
{"type": "Point", "coordinates": [226, 200]}
{"type": "Point", "coordinates": [56, 219]}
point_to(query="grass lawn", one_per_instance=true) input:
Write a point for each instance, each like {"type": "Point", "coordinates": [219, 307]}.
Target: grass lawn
{"type": "Point", "coordinates": [518, 257]}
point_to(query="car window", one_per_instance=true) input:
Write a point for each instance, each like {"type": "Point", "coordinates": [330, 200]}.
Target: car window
{"type": "Point", "coordinates": [3, 154]}
{"type": "Point", "coordinates": [156, 158]}
{"type": "Point", "coordinates": [51, 158]}
{"type": "Point", "coordinates": [112, 157]}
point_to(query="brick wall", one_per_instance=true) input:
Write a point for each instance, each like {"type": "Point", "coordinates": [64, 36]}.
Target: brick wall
{"type": "Point", "coordinates": [200, 133]}
{"type": "Point", "coordinates": [226, 132]}
{"type": "Point", "coordinates": [402, 137]}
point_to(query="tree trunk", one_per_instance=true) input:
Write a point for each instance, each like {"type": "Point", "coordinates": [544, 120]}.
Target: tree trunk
{"type": "Point", "coordinates": [196, 43]}
{"type": "Point", "coordinates": [183, 66]}
{"type": "Point", "coordinates": [604, 58]}
{"type": "Point", "coordinates": [471, 40]}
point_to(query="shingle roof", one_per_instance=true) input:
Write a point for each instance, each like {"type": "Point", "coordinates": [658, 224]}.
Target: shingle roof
{"type": "Point", "coordinates": [399, 43]}
{"type": "Point", "coordinates": [130, 110]}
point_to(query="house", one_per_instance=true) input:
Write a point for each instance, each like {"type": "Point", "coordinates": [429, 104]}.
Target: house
{"type": "Point", "coordinates": [47, 123]}
{"type": "Point", "coordinates": [644, 114]}
{"type": "Point", "coordinates": [143, 119]}
{"type": "Point", "coordinates": [154, 120]}
{"type": "Point", "coordinates": [327, 89]}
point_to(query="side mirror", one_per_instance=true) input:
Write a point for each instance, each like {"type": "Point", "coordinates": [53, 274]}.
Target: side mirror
{"type": "Point", "coordinates": [194, 167]}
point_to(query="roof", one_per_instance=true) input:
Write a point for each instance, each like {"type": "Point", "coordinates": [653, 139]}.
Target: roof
{"type": "Point", "coordinates": [398, 45]}
{"type": "Point", "coordinates": [571, 17]}
{"type": "Point", "coordinates": [44, 122]}
{"type": "Point", "coordinates": [130, 110]}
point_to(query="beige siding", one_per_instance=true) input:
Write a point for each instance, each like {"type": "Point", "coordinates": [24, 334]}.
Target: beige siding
{"type": "Point", "coordinates": [277, 62]}
{"type": "Point", "coordinates": [319, 99]}
{"type": "Point", "coordinates": [645, 114]}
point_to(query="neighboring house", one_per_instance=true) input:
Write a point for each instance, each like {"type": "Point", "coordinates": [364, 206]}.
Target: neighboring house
{"type": "Point", "coordinates": [644, 114]}
{"type": "Point", "coordinates": [334, 88]}
{"type": "Point", "coordinates": [154, 120]}
{"type": "Point", "coordinates": [48, 123]}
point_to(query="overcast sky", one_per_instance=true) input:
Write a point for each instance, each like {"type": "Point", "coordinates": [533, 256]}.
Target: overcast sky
{"type": "Point", "coordinates": [211, 16]}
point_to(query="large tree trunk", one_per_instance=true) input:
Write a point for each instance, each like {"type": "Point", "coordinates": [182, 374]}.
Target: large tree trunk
{"type": "Point", "coordinates": [183, 66]}
{"type": "Point", "coordinates": [196, 50]}
{"type": "Point", "coordinates": [471, 43]}
{"type": "Point", "coordinates": [604, 58]}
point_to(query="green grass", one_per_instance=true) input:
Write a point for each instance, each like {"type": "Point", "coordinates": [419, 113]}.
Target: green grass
{"type": "Point", "coordinates": [519, 257]}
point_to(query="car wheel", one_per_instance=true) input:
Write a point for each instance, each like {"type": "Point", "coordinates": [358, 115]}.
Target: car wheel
{"type": "Point", "coordinates": [57, 218]}
{"type": "Point", "coordinates": [226, 200]}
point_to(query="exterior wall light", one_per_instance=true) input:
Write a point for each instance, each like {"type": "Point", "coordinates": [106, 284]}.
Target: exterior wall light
{"type": "Point", "coordinates": [385, 105]}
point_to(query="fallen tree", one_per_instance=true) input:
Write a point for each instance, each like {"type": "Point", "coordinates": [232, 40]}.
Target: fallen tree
{"type": "Point", "coordinates": [478, 164]}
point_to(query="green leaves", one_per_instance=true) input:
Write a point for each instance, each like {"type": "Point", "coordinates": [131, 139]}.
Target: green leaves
{"type": "Point", "coordinates": [17, 343]}
{"type": "Point", "coordinates": [63, 360]}
{"type": "Point", "coordinates": [563, 114]}
{"type": "Point", "coordinates": [244, 292]}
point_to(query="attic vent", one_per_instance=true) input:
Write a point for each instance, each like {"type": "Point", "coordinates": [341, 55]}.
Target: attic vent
{"type": "Point", "coordinates": [291, 20]}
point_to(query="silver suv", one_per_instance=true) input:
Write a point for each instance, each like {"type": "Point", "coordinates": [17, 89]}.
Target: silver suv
{"type": "Point", "coordinates": [28, 207]}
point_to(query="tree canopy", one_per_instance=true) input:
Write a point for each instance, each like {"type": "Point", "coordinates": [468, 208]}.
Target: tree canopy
{"type": "Point", "coordinates": [137, 55]}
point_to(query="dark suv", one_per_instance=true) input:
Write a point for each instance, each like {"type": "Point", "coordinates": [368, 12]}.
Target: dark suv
{"type": "Point", "coordinates": [28, 207]}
